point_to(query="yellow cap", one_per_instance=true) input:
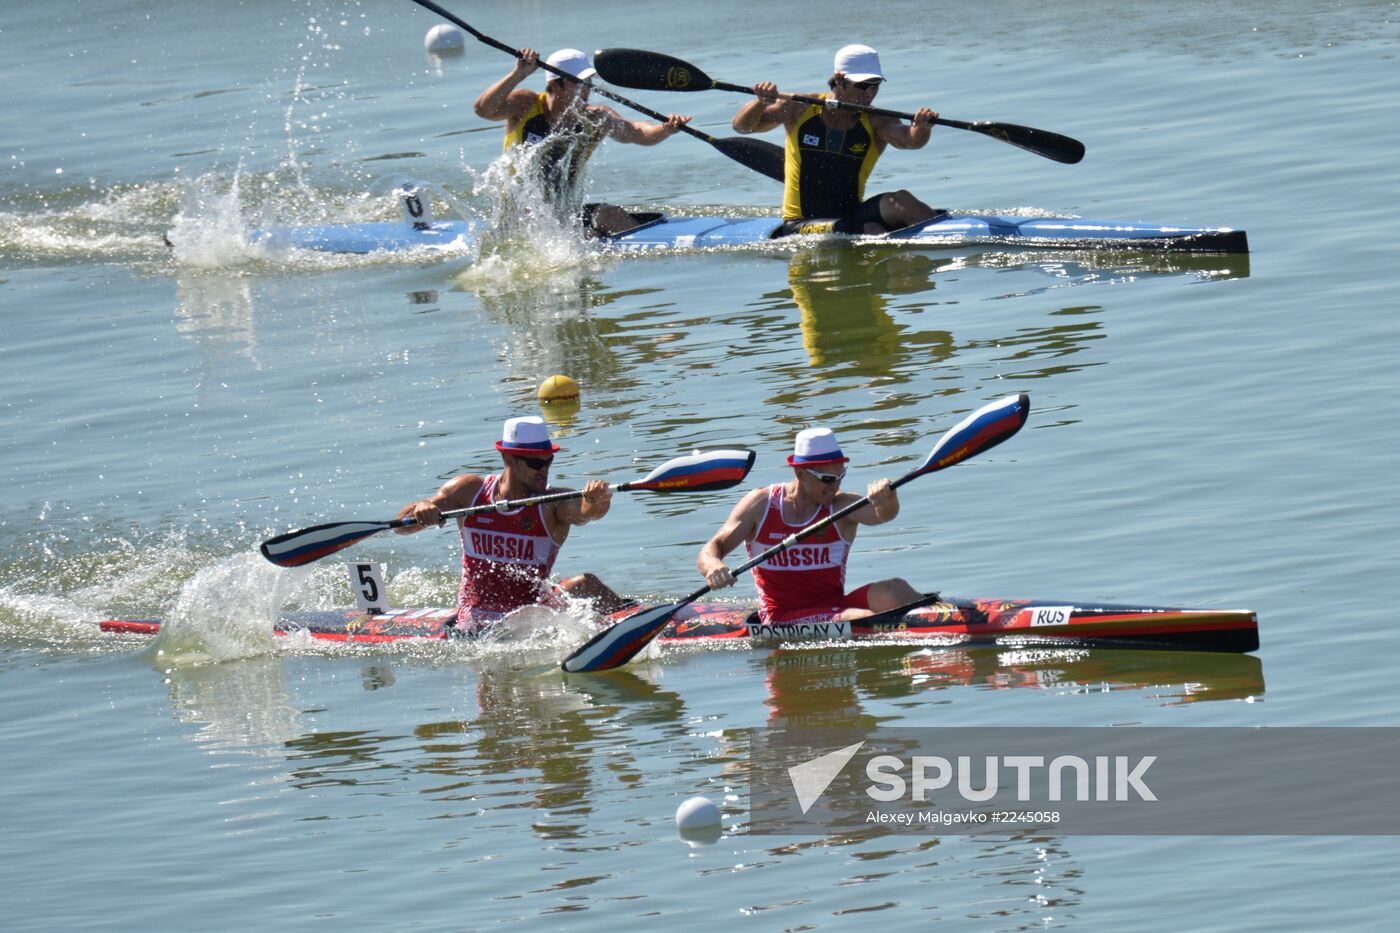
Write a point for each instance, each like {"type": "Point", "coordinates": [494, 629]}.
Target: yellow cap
{"type": "Point", "coordinates": [557, 389]}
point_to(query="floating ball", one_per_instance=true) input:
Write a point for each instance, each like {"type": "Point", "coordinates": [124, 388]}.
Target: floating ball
{"type": "Point", "coordinates": [697, 813]}
{"type": "Point", "coordinates": [558, 389]}
{"type": "Point", "coordinates": [444, 39]}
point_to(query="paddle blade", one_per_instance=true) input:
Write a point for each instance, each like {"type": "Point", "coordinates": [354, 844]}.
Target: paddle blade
{"type": "Point", "coordinates": [649, 71]}
{"type": "Point", "coordinates": [297, 548]}
{"type": "Point", "coordinates": [1041, 142]}
{"type": "Point", "coordinates": [982, 430]}
{"type": "Point", "coordinates": [620, 643]}
{"type": "Point", "coordinates": [757, 154]}
{"type": "Point", "coordinates": [699, 472]}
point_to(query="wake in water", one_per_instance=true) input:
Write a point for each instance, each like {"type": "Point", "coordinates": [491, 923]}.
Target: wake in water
{"type": "Point", "coordinates": [216, 607]}
{"type": "Point", "coordinates": [84, 222]}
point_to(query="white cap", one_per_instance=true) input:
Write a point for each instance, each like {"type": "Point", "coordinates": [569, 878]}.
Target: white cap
{"type": "Point", "coordinates": [573, 62]}
{"type": "Point", "coordinates": [816, 445]}
{"type": "Point", "coordinates": [859, 63]}
{"type": "Point", "coordinates": [528, 435]}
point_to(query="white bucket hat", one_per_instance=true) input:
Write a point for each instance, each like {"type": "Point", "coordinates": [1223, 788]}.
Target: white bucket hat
{"type": "Point", "coordinates": [859, 63]}
{"type": "Point", "coordinates": [526, 436]}
{"type": "Point", "coordinates": [573, 62]}
{"type": "Point", "coordinates": [814, 446]}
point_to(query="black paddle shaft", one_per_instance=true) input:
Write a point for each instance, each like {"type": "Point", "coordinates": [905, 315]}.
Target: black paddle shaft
{"type": "Point", "coordinates": [763, 157]}
{"type": "Point", "coordinates": [637, 68]}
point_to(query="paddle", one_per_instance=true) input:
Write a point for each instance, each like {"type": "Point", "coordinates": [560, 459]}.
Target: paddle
{"type": "Point", "coordinates": [653, 71]}
{"type": "Point", "coordinates": [982, 430]}
{"type": "Point", "coordinates": [698, 472]}
{"type": "Point", "coordinates": [763, 157]}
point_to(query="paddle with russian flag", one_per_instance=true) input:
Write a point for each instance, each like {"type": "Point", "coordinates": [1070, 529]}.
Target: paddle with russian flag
{"type": "Point", "coordinates": [980, 431]}
{"type": "Point", "coordinates": [701, 471]}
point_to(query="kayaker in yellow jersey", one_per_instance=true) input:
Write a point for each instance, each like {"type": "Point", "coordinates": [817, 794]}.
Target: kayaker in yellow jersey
{"type": "Point", "coordinates": [562, 119]}
{"type": "Point", "coordinates": [830, 152]}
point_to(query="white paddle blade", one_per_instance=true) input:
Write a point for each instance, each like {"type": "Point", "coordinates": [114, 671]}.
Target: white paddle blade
{"type": "Point", "coordinates": [620, 643]}
{"type": "Point", "coordinates": [982, 430]}
{"type": "Point", "coordinates": [699, 472]}
{"type": "Point", "coordinates": [297, 548]}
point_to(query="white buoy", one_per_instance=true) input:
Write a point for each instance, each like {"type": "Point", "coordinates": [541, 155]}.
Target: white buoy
{"type": "Point", "coordinates": [444, 39]}
{"type": "Point", "coordinates": [697, 813]}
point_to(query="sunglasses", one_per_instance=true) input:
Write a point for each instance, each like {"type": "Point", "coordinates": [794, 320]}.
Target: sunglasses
{"type": "Point", "coordinates": [827, 478]}
{"type": "Point", "coordinates": [865, 85]}
{"type": "Point", "coordinates": [536, 463]}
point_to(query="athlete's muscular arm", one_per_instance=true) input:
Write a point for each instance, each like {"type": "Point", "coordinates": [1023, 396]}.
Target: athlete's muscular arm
{"type": "Point", "coordinates": [765, 112]}
{"type": "Point", "coordinates": [883, 505]}
{"type": "Point", "coordinates": [456, 493]}
{"type": "Point", "coordinates": [741, 525]}
{"type": "Point", "coordinates": [596, 501]}
{"type": "Point", "coordinates": [640, 132]}
{"type": "Point", "coordinates": [501, 101]}
{"type": "Point", "coordinates": [903, 135]}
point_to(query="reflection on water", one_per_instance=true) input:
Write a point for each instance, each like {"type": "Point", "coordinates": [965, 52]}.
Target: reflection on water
{"type": "Point", "coordinates": [840, 694]}
{"type": "Point", "coordinates": [545, 724]}
{"type": "Point", "coordinates": [1107, 267]}
{"type": "Point", "coordinates": [826, 685]}
{"type": "Point", "coordinates": [847, 328]}
{"type": "Point", "coordinates": [216, 312]}
{"type": "Point", "coordinates": [240, 705]}
{"type": "Point", "coordinates": [551, 327]}
{"type": "Point", "coordinates": [1060, 344]}
{"type": "Point", "coordinates": [1170, 677]}
{"type": "Point", "coordinates": [573, 761]}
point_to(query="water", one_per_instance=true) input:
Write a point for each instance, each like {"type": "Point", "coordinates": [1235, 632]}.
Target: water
{"type": "Point", "coordinates": [1212, 433]}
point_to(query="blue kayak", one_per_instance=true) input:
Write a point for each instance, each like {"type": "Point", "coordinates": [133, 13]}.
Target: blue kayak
{"type": "Point", "coordinates": [657, 231]}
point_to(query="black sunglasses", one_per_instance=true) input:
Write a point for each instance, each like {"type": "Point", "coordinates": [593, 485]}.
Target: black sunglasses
{"type": "Point", "coordinates": [865, 85]}
{"type": "Point", "coordinates": [536, 463]}
{"type": "Point", "coordinates": [827, 478]}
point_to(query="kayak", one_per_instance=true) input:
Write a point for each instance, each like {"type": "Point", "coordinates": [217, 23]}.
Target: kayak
{"type": "Point", "coordinates": [977, 621]}
{"type": "Point", "coordinates": [658, 231]}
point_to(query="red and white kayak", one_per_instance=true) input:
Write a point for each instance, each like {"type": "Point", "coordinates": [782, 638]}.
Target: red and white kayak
{"type": "Point", "coordinates": [956, 620]}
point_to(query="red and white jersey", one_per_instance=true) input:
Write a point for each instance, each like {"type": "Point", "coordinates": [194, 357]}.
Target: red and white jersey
{"type": "Point", "coordinates": [810, 573]}
{"type": "Point", "coordinates": [506, 558]}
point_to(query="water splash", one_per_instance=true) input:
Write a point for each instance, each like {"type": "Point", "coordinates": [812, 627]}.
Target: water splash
{"type": "Point", "coordinates": [225, 612]}
{"type": "Point", "coordinates": [526, 236]}
{"type": "Point", "coordinates": [209, 230]}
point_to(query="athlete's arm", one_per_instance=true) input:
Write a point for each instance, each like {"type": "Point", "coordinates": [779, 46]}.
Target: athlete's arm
{"type": "Point", "coordinates": [903, 135]}
{"type": "Point", "coordinates": [501, 101]}
{"type": "Point", "coordinates": [640, 132]}
{"type": "Point", "coordinates": [596, 501]}
{"type": "Point", "coordinates": [456, 493]}
{"type": "Point", "coordinates": [741, 525]}
{"type": "Point", "coordinates": [765, 112]}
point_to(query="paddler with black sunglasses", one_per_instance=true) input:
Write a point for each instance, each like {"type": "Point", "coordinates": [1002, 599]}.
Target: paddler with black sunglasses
{"type": "Point", "coordinates": [830, 152]}
{"type": "Point", "coordinates": [569, 126]}
{"type": "Point", "coordinates": [807, 581]}
{"type": "Point", "coordinates": [507, 556]}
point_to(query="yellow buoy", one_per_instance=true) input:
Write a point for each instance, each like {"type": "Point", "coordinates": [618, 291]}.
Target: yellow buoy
{"type": "Point", "coordinates": [558, 389]}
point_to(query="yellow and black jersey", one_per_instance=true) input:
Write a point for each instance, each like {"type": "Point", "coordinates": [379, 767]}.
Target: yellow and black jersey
{"type": "Point", "coordinates": [826, 168]}
{"type": "Point", "coordinates": [567, 148]}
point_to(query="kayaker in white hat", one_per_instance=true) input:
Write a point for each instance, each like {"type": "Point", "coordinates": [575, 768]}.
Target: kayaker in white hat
{"type": "Point", "coordinates": [807, 581]}
{"type": "Point", "coordinates": [507, 557]}
{"type": "Point", "coordinates": [831, 152]}
{"type": "Point", "coordinates": [563, 119]}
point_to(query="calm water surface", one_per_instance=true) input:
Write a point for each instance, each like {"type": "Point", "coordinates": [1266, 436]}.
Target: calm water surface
{"type": "Point", "coordinates": [1209, 432]}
